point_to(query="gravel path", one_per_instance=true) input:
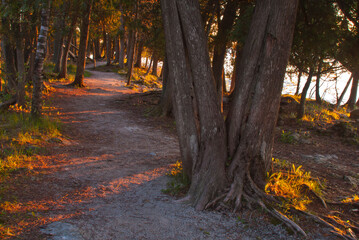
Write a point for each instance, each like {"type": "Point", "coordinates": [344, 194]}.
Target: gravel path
{"type": "Point", "coordinates": [116, 164]}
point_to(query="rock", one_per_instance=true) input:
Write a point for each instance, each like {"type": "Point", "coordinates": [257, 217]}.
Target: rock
{"type": "Point", "coordinates": [295, 136]}
{"type": "Point", "coordinates": [61, 230]}
{"type": "Point", "coordinates": [305, 141]}
{"type": "Point", "coordinates": [354, 114]}
{"type": "Point", "coordinates": [288, 105]}
{"type": "Point", "coordinates": [321, 159]}
{"type": "Point", "coordinates": [353, 181]}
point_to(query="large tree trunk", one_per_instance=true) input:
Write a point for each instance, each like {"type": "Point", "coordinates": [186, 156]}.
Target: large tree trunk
{"type": "Point", "coordinates": [63, 70]}
{"type": "Point", "coordinates": [254, 110]}
{"type": "Point", "coordinates": [301, 106]}
{"type": "Point", "coordinates": [39, 62]}
{"type": "Point", "coordinates": [220, 46]}
{"type": "Point", "coordinates": [189, 45]}
{"type": "Point", "coordinates": [81, 60]}
{"type": "Point", "coordinates": [354, 90]}
{"type": "Point", "coordinates": [97, 52]}
{"type": "Point", "coordinates": [116, 43]}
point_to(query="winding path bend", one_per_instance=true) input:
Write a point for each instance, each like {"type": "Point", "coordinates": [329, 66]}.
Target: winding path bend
{"type": "Point", "coordinates": [109, 175]}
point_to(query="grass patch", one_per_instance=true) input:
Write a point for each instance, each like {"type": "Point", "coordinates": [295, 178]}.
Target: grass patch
{"type": "Point", "coordinates": [287, 137]}
{"type": "Point", "coordinates": [293, 185]}
{"type": "Point", "coordinates": [179, 183]}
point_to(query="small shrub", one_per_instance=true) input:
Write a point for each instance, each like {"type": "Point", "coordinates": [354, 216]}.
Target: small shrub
{"type": "Point", "coordinates": [179, 182]}
{"type": "Point", "coordinates": [287, 137]}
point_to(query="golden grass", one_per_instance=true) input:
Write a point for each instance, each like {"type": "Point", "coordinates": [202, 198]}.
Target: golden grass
{"type": "Point", "coordinates": [290, 183]}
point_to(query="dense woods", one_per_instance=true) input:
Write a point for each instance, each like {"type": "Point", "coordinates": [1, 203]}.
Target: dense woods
{"type": "Point", "coordinates": [207, 53]}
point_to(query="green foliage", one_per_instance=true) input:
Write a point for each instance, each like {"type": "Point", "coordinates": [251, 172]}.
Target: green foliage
{"type": "Point", "coordinates": [287, 137]}
{"type": "Point", "coordinates": [179, 183]}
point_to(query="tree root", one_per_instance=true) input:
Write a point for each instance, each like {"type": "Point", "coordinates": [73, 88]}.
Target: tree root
{"type": "Point", "coordinates": [5, 105]}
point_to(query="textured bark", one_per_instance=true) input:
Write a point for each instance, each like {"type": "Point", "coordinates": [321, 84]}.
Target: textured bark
{"type": "Point", "coordinates": [301, 107]}
{"type": "Point", "coordinates": [81, 60]}
{"type": "Point", "coordinates": [255, 105]}
{"type": "Point", "coordinates": [220, 45]}
{"type": "Point", "coordinates": [39, 61]}
{"type": "Point", "coordinates": [208, 174]}
{"type": "Point", "coordinates": [354, 91]}
{"type": "Point", "coordinates": [63, 70]}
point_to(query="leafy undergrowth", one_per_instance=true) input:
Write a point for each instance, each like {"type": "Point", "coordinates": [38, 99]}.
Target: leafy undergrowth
{"type": "Point", "coordinates": [293, 185]}
{"type": "Point", "coordinates": [146, 82]}
{"type": "Point", "coordinates": [50, 76]}
{"type": "Point", "coordinates": [22, 139]}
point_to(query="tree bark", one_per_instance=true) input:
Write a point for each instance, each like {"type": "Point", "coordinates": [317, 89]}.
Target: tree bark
{"type": "Point", "coordinates": [20, 60]}
{"type": "Point", "coordinates": [97, 48]}
{"type": "Point", "coordinates": [81, 60]}
{"type": "Point", "coordinates": [301, 107]}
{"type": "Point", "coordinates": [63, 70]}
{"type": "Point", "coordinates": [235, 75]}
{"type": "Point", "coordinates": [117, 49]}
{"type": "Point", "coordinates": [39, 62]}
{"type": "Point", "coordinates": [220, 46]}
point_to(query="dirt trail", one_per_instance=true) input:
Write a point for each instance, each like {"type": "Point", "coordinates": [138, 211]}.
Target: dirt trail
{"type": "Point", "coordinates": [109, 175]}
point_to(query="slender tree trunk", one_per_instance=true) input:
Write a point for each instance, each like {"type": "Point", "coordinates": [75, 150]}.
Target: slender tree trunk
{"type": "Point", "coordinates": [317, 83]}
{"type": "Point", "coordinates": [81, 60]}
{"type": "Point", "coordinates": [94, 54]}
{"type": "Point", "coordinates": [155, 64]}
{"type": "Point", "coordinates": [63, 70]}
{"type": "Point", "coordinates": [97, 48]}
{"type": "Point", "coordinates": [139, 54]}
{"type": "Point", "coordinates": [220, 46]}
{"type": "Point", "coordinates": [39, 62]}
{"type": "Point", "coordinates": [354, 90]}
{"type": "Point", "coordinates": [340, 99]}
{"type": "Point", "coordinates": [130, 54]}
{"type": "Point", "coordinates": [108, 49]}
{"type": "Point", "coordinates": [20, 60]}
{"type": "Point", "coordinates": [149, 67]}
{"type": "Point", "coordinates": [301, 107]}
{"type": "Point", "coordinates": [298, 83]}
{"type": "Point", "coordinates": [121, 61]}
{"type": "Point", "coordinates": [117, 49]}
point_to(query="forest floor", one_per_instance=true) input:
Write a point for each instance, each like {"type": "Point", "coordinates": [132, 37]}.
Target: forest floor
{"type": "Point", "coordinates": [103, 179]}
